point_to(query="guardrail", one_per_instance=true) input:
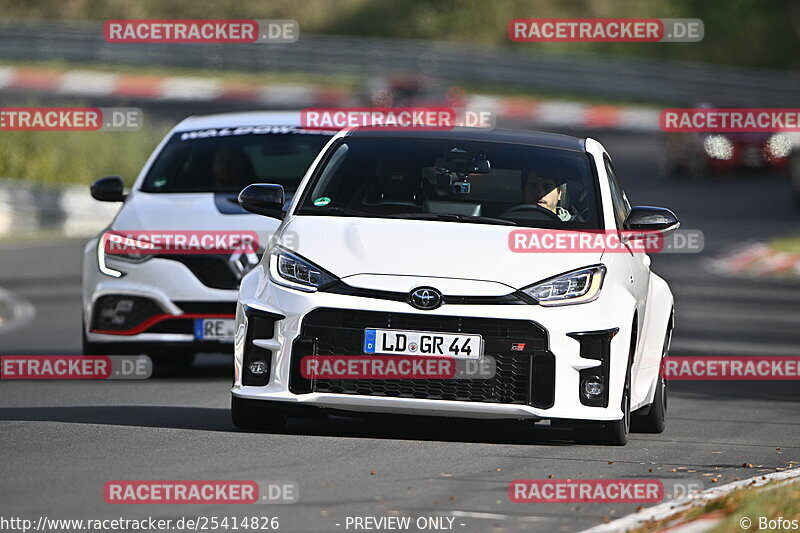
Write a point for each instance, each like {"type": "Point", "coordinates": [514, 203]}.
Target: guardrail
{"type": "Point", "coordinates": [515, 66]}
{"type": "Point", "coordinates": [26, 208]}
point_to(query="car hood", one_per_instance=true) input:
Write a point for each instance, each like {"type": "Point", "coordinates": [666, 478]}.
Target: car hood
{"type": "Point", "coordinates": [349, 246]}
{"type": "Point", "coordinates": [188, 211]}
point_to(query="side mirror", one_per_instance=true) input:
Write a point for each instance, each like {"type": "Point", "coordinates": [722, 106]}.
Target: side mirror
{"type": "Point", "coordinates": [263, 199]}
{"type": "Point", "coordinates": [108, 189]}
{"type": "Point", "coordinates": [649, 220]}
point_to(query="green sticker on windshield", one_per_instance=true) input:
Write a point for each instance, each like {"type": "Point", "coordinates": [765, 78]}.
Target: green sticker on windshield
{"type": "Point", "coordinates": [322, 201]}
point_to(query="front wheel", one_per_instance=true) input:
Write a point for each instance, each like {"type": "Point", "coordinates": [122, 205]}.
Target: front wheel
{"type": "Point", "coordinates": [656, 418]}
{"type": "Point", "coordinates": [616, 433]}
{"type": "Point", "coordinates": [256, 415]}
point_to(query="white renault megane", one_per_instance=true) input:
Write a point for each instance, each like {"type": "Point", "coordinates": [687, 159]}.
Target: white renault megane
{"type": "Point", "coordinates": [173, 305]}
{"type": "Point", "coordinates": [402, 248]}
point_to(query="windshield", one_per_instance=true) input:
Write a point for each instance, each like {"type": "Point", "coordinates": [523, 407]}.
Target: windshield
{"type": "Point", "coordinates": [225, 161]}
{"type": "Point", "coordinates": [436, 179]}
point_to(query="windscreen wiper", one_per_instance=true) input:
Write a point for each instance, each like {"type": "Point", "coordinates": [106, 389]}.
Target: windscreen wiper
{"type": "Point", "coordinates": [344, 211]}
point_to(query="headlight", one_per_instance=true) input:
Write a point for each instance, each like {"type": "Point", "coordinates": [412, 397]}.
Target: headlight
{"type": "Point", "coordinates": [109, 241]}
{"type": "Point", "coordinates": [576, 287]}
{"type": "Point", "coordinates": [718, 147]}
{"type": "Point", "coordinates": [779, 145]}
{"type": "Point", "coordinates": [291, 270]}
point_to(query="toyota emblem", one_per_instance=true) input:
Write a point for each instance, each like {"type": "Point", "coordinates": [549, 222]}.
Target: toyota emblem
{"type": "Point", "coordinates": [426, 298]}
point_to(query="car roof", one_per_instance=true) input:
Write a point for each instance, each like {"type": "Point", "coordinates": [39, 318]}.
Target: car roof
{"type": "Point", "coordinates": [530, 138]}
{"type": "Point", "coordinates": [233, 120]}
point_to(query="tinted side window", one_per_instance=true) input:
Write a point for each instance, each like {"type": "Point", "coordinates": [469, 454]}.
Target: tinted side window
{"type": "Point", "coordinates": [618, 198]}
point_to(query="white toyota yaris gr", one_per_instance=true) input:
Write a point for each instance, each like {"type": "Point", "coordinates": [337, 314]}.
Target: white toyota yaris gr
{"type": "Point", "coordinates": [401, 247]}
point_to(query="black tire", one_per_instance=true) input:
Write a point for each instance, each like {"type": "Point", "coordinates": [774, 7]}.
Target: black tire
{"type": "Point", "coordinates": [616, 433]}
{"type": "Point", "coordinates": [255, 415]}
{"type": "Point", "coordinates": [654, 417]}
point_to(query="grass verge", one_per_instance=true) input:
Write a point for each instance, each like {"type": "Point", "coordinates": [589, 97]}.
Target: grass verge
{"type": "Point", "coordinates": [60, 158]}
{"type": "Point", "coordinates": [772, 501]}
{"type": "Point", "coordinates": [790, 245]}
{"type": "Point", "coordinates": [769, 501]}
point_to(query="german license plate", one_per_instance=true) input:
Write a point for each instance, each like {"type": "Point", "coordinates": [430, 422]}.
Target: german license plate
{"type": "Point", "coordinates": [424, 343]}
{"type": "Point", "coordinates": [214, 329]}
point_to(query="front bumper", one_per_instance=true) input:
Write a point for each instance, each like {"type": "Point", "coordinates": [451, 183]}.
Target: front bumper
{"type": "Point", "coordinates": [284, 315]}
{"type": "Point", "coordinates": [165, 296]}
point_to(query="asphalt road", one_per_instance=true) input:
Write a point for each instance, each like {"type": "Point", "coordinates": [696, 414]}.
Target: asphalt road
{"type": "Point", "coordinates": [62, 441]}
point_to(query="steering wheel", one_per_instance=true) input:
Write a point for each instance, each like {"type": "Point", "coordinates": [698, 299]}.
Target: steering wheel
{"type": "Point", "coordinates": [526, 210]}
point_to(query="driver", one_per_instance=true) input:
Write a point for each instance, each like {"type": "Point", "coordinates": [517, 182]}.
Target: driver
{"type": "Point", "coordinates": [231, 168]}
{"type": "Point", "coordinates": [545, 192]}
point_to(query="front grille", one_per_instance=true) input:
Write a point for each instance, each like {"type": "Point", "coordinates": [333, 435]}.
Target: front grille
{"type": "Point", "coordinates": [340, 332]}
{"type": "Point", "coordinates": [213, 270]}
